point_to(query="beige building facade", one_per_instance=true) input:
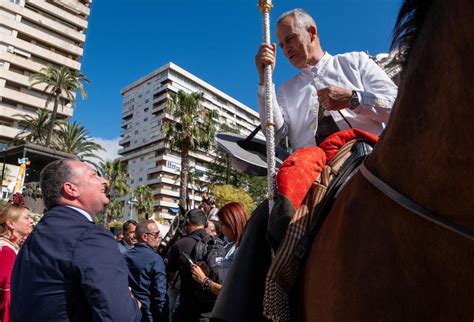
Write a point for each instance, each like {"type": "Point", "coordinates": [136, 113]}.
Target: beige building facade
{"type": "Point", "coordinates": [142, 144]}
{"type": "Point", "coordinates": [33, 35]}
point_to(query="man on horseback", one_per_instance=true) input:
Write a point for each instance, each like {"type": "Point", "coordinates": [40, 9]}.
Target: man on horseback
{"type": "Point", "coordinates": [342, 91]}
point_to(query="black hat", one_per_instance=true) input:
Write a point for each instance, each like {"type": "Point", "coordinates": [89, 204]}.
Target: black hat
{"type": "Point", "coordinates": [248, 156]}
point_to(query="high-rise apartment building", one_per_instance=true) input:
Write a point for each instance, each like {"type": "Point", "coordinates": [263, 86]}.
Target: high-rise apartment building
{"type": "Point", "coordinates": [33, 35]}
{"type": "Point", "coordinates": [143, 148]}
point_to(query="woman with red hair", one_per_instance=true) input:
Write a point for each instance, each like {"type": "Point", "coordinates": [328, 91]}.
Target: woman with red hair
{"type": "Point", "coordinates": [233, 218]}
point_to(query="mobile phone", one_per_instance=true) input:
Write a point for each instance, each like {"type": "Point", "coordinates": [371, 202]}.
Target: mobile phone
{"type": "Point", "coordinates": [186, 256]}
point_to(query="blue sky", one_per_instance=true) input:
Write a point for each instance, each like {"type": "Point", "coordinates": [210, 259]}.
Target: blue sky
{"type": "Point", "coordinates": [216, 40]}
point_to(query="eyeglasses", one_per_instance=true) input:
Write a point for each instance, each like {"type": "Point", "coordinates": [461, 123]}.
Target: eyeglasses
{"type": "Point", "coordinates": [156, 235]}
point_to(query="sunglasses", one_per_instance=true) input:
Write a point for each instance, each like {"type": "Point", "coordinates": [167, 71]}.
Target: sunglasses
{"type": "Point", "coordinates": [156, 235]}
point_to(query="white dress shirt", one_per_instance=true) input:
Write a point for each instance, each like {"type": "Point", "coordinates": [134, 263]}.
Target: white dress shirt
{"type": "Point", "coordinates": [83, 212]}
{"type": "Point", "coordinates": [296, 105]}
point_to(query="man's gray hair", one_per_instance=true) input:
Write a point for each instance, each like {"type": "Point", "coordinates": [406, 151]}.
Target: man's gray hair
{"type": "Point", "coordinates": [142, 228]}
{"type": "Point", "coordinates": [302, 19]}
{"type": "Point", "coordinates": [53, 178]}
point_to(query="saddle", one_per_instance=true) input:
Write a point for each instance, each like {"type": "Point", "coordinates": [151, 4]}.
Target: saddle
{"type": "Point", "coordinates": [308, 183]}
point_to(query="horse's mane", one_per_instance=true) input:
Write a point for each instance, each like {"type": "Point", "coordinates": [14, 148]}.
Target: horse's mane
{"type": "Point", "coordinates": [409, 22]}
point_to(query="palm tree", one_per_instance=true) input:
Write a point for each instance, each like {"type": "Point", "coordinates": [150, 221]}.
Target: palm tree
{"type": "Point", "coordinates": [117, 174]}
{"type": "Point", "coordinates": [113, 210]}
{"type": "Point", "coordinates": [144, 206]}
{"type": "Point", "coordinates": [61, 83]}
{"type": "Point", "coordinates": [74, 138]}
{"type": "Point", "coordinates": [195, 179]}
{"type": "Point", "coordinates": [33, 127]}
{"type": "Point", "coordinates": [191, 127]}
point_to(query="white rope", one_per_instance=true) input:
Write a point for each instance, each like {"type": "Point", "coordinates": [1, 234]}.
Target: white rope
{"type": "Point", "coordinates": [270, 129]}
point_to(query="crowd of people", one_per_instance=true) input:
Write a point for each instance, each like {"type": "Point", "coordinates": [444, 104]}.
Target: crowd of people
{"type": "Point", "coordinates": [70, 269]}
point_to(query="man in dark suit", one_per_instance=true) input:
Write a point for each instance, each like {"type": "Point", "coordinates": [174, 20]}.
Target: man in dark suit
{"type": "Point", "coordinates": [147, 273]}
{"type": "Point", "coordinates": [69, 269]}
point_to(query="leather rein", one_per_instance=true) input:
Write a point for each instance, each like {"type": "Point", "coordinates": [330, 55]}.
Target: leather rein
{"type": "Point", "coordinates": [412, 206]}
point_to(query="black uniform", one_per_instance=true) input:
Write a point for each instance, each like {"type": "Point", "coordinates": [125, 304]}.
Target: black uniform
{"type": "Point", "coordinates": [190, 305]}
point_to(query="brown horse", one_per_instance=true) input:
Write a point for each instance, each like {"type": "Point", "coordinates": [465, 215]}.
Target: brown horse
{"type": "Point", "coordinates": [373, 260]}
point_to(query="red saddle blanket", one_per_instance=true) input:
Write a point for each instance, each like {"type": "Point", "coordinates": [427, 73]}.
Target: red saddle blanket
{"type": "Point", "coordinates": [301, 168]}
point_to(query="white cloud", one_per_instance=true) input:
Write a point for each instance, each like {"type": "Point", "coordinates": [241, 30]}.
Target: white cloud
{"type": "Point", "coordinates": [111, 147]}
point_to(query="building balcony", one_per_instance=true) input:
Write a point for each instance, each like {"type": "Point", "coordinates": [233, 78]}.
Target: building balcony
{"type": "Point", "coordinates": [166, 192]}
{"type": "Point", "coordinates": [75, 6]}
{"type": "Point", "coordinates": [61, 13]}
{"type": "Point", "coordinates": [167, 204]}
{"type": "Point", "coordinates": [124, 140]}
{"type": "Point", "coordinates": [8, 131]}
{"type": "Point", "coordinates": [127, 113]}
{"type": "Point", "coordinates": [61, 28]}
{"type": "Point", "coordinates": [39, 51]}
{"type": "Point", "coordinates": [9, 112]}
{"type": "Point", "coordinates": [161, 180]}
{"type": "Point", "coordinates": [20, 61]}
{"type": "Point", "coordinates": [124, 124]}
{"type": "Point", "coordinates": [162, 168]}
{"type": "Point", "coordinates": [23, 80]}
{"type": "Point", "coordinates": [48, 38]}
{"type": "Point", "coordinates": [125, 132]}
{"type": "Point", "coordinates": [31, 100]}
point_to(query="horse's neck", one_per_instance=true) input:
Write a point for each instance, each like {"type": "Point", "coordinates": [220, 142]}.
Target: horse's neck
{"type": "Point", "coordinates": [427, 149]}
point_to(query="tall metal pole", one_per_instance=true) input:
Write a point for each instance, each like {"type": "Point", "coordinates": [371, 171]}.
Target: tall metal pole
{"type": "Point", "coordinates": [265, 6]}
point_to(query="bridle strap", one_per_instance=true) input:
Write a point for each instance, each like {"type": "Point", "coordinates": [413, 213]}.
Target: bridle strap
{"type": "Point", "coordinates": [412, 206]}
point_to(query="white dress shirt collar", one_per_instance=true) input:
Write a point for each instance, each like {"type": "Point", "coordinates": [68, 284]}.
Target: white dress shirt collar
{"type": "Point", "coordinates": [83, 212]}
{"type": "Point", "coordinates": [316, 69]}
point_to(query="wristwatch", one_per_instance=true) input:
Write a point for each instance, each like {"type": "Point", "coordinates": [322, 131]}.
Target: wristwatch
{"type": "Point", "coordinates": [354, 101]}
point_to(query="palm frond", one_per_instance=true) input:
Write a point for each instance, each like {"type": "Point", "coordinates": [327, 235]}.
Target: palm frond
{"type": "Point", "coordinates": [60, 85]}
{"type": "Point", "coordinates": [74, 138]}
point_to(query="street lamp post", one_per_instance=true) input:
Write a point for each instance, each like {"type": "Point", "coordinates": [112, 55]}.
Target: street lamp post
{"type": "Point", "coordinates": [132, 202]}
